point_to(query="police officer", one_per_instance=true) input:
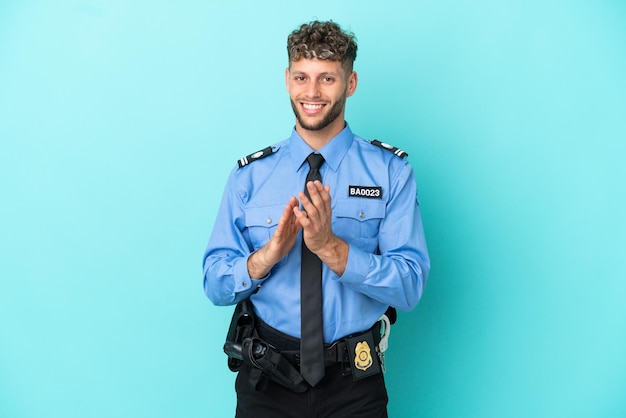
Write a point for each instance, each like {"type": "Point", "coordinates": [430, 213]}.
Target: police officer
{"type": "Point", "coordinates": [362, 221]}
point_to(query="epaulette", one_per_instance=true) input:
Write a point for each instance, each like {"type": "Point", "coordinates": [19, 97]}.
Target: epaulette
{"type": "Point", "coordinates": [255, 156]}
{"type": "Point", "coordinates": [388, 147]}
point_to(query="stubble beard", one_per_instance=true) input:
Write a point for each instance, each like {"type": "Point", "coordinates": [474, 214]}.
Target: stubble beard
{"type": "Point", "coordinates": [329, 118]}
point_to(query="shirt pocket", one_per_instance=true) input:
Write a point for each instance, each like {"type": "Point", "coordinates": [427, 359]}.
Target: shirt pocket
{"type": "Point", "coordinates": [261, 222]}
{"type": "Point", "coordinates": [358, 220]}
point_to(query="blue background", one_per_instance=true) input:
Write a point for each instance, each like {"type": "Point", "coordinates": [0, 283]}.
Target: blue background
{"type": "Point", "coordinates": [119, 122]}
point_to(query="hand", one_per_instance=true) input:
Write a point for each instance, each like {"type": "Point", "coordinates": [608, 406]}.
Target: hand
{"type": "Point", "coordinates": [261, 262]}
{"type": "Point", "coordinates": [316, 221]}
{"type": "Point", "coordinates": [316, 217]}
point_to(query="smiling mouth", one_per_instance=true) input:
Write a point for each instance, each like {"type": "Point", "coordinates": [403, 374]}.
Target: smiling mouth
{"type": "Point", "coordinates": [312, 108]}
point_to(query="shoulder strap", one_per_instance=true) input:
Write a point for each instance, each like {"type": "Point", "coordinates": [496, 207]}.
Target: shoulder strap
{"type": "Point", "coordinates": [255, 156]}
{"type": "Point", "coordinates": [400, 153]}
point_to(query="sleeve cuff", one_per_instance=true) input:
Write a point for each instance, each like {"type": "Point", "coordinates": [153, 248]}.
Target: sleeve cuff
{"type": "Point", "coordinates": [357, 267]}
{"type": "Point", "coordinates": [243, 282]}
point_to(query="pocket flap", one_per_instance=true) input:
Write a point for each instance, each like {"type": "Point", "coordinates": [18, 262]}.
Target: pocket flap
{"type": "Point", "coordinates": [265, 216]}
{"type": "Point", "coordinates": [360, 209]}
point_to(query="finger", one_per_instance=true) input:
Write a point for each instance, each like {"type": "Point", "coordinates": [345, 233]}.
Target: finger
{"type": "Point", "coordinates": [321, 200]}
{"type": "Point", "coordinates": [287, 219]}
{"type": "Point", "coordinates": [301, 217]}
{"type": "Point", "coordinates": [324, 195]}
{"type": "Point", "coordinates": [316, 189]}
{"type": "Point", "coordinates": [287, 213]}
{"type": "Point", "coordinates": [308, 207]}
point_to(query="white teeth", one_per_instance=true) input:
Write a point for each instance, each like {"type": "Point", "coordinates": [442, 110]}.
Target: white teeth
{"type": "Point", "coordinates": [312, 106]}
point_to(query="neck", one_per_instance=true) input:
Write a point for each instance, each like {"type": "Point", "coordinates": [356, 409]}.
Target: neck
{"type": "Point", "coordinates": [317, 139]}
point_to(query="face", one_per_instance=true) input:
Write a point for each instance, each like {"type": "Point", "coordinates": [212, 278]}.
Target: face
{"type": "Point", "coordinates": [318, 90]}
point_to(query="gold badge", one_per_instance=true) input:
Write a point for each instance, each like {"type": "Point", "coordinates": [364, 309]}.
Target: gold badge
{"type": "Point", "coordinates": [363, 359]}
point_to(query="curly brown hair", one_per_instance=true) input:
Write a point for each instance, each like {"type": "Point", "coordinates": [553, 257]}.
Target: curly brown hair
{"type": "Point", "coordinates": [322, 40]}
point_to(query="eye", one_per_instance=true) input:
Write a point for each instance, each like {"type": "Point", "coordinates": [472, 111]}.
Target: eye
{"type": "Point", "coordinates": [327, 80]}
{"type": "Point", "coordinates": [299, 78]}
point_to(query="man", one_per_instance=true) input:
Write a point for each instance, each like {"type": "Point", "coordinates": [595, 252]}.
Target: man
{"type": "Point", "coordinates": [361, 220]}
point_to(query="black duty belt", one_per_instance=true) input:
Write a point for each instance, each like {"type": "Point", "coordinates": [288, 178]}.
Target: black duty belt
{"type": "Point", "coordinates": [289, 347]}
{"type": "Point", "coordinates": [275, 355]}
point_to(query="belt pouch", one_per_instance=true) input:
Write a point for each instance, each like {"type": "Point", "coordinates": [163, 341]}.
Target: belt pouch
{"type": "Point", "coordinates": [241, 327]}
{"type": "Point", "coordinates": [273, 364]}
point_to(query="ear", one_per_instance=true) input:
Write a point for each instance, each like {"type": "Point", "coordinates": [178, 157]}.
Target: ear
{"type": "Point", "coordinates": [287, 78]}
{"type": "Point", "coordinates": [353, 80]}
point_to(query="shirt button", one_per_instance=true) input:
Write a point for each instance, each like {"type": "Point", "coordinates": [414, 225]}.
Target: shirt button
{"type": "Point", "coordinates": [268, 220]}
{"type": "Point", "coordinates": [362, 215]}
{"type": "Point", "coordinates": [244, 284]}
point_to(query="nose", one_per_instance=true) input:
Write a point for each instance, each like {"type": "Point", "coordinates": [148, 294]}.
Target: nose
{"type": "Point", "coordinates": [313, 90]}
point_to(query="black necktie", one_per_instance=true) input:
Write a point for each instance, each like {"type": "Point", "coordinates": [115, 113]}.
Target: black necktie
{"type": "Point", "coordinates": [312, 338]}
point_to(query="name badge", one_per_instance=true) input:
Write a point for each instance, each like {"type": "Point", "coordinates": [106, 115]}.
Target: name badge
{"type": "Point", "coordinates": [370, 192]}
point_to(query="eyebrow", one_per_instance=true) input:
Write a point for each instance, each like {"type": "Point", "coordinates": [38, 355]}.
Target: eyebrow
{"type": "Point", "coordinates": [325, 73]}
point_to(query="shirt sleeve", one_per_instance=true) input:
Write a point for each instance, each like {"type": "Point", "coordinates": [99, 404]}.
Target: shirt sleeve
{"type": "Point", "coordinates": [397, 274]}
{"type": "Point", "coordinates": [225, 265]}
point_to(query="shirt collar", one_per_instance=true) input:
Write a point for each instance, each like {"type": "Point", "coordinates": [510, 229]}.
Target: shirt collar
{"type": "Point", "coordinates": [333, 152]}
